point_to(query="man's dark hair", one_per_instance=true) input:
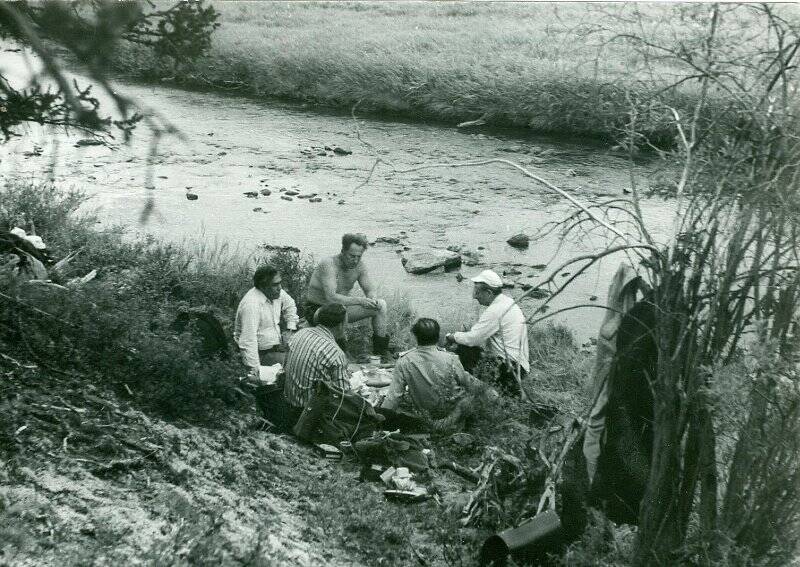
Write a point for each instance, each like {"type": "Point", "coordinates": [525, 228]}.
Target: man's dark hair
{"type": "Point", "coordinates": [264, 275]}
{"type": "Point", "coordinates": [331, 314]}
{"type": "Point", "coordinates": [426, 331]}
{"type": "Point", "coordinates": [351, 238]}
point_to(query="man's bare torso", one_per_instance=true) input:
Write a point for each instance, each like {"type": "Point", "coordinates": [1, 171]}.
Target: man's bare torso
{"type": "Point", "coordinates": [345, 279]}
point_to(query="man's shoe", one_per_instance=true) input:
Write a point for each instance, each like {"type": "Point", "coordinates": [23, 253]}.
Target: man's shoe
{"type": "Point", "coordinates": [380, 345]}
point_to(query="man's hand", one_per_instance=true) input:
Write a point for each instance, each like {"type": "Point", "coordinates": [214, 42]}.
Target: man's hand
{"type": "Point", "coordinates": [286, 336]}
{"type": "Point", "coordinates": [253, 377]}
{"type": "Point", "coordinates": [368, 303]}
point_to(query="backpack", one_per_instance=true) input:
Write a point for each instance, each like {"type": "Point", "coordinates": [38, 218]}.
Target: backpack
{"type": "Point", "coordinates": [332, 416]}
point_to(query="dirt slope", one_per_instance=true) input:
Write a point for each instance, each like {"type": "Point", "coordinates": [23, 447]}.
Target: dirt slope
{"type": "Point", "coordinates": [87, 479]}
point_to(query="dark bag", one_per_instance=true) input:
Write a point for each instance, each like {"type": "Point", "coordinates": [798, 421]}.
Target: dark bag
{"type": "Point", "coordinates": [394, 449]}
{"type": "Point", "coordinates": [273, 407]}
{"type": "Point", "coordinates": [332, 416]}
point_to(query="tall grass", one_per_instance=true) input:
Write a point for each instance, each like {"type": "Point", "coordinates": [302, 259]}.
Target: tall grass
{"type": "Point", "coordinates": [548, 67]}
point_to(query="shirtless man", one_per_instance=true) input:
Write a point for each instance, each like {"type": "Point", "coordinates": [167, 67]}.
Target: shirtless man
{"type": "Point", "coordinates": [333, 280]}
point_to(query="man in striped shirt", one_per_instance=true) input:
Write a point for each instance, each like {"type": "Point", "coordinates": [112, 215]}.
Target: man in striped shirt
{"type": "Point", "coordinates": [314, 356]}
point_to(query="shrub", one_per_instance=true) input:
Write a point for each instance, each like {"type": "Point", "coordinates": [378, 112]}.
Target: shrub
{"type": "Point", "coordinates": [42, 206]}
{"type": "Point", "coordinates": [116, 329]}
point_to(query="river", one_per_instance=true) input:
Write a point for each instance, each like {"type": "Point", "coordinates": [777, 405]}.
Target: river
{"type": "Point", "coordinates": [234, 145]}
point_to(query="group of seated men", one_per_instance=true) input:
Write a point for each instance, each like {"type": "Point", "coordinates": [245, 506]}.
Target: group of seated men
{"type": "Point", "coordinates": [266, 332]}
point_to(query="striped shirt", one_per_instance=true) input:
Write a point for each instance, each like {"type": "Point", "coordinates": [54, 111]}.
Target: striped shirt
{"type": "Point", "coordinates": [313, 356]}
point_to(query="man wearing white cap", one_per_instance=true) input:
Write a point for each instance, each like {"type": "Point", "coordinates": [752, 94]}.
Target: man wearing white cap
{"type": "Point", "coordinates": [501, 332]}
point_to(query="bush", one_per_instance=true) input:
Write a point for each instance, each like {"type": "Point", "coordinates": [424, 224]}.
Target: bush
{"type": "Point", "coordinates": [115, 329]}
{"type": "Point", "coordinates": [49, 210]}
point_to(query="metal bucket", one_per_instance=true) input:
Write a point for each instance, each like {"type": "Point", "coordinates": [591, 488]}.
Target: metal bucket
{"type": "Point", "coordinates": [527, 542]}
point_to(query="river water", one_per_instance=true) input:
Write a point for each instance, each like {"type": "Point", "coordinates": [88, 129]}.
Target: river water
{"type": "Point", "coordinates": [234, 145]}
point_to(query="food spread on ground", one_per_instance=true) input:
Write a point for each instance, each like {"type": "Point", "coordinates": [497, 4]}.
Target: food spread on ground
{"type": "Point", "coordinates": [370, 381]}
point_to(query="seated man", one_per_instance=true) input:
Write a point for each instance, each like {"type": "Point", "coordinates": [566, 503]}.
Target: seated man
{"type": "Point", "coordinates": [437, 382]}
{"type": "Point", "coordinates": [333, 280]}
{"type": "Point", "coordinates": [500, 335]}
{"type": "Point", "coordinates": [261, 313]}
{"type": "Point", "coordinates": [314, 356]}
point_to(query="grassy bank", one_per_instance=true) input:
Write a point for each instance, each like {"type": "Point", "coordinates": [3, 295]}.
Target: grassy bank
{"type": "Point", "coordinates": [118, 444]}
{"type": "Point", "coordinates": [559, 69]}
{"type": "Point", "coordinates": [140, 451]}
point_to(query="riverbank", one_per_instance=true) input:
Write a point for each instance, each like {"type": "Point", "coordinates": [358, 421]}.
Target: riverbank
{"type": "Point", "coordinates": [120, 445]}
{"type": "Point", "coordinates": [547, 68]}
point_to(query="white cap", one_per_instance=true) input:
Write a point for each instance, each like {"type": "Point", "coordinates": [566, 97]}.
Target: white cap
{"type": "Point", "coordinates": [488, 277]}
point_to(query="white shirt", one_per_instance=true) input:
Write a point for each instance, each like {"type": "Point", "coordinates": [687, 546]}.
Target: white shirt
{"type": "Point", "coordinates": [501, 329]}
{"type": "Point", "coordinates": [257, 323]}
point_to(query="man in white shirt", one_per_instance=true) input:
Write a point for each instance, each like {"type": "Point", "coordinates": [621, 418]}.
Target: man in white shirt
{"type": "Point", "coordinates": [501, 333]}
{"type": "Point", "coordinates": [262, 310]}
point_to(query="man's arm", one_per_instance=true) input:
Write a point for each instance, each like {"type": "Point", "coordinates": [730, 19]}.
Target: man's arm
{"type": "Point", "coordinates": [396, 390]}
{"type": "Point", "coordinates": [328, 281]}
{"type": "Point", "coordinates": [365, 281]}
{"type": "Point", "coordinates": [464, 378]}
{"type": "Point", "coordinates": [339, 374]}
{"type": "Point", "coordinates": [249, 318]}
{"type": "Point", "coordinates": [488, 324]}
{"type": "Point", "coordinates": [289, 311]}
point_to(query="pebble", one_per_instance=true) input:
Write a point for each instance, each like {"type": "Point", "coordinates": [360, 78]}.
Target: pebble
{"type": "Point", "coordinates": [285, 198]}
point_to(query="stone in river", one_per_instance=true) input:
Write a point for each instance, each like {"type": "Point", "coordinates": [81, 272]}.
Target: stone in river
{"type": "Point", "coordinates": [89, 142]}
{"type": "Point", "coordinates": [292, 192]}
{"type": "Point", "coordinates": [341, 151]}
{"type": "Point", "coordinates": [519, 240]}
{"type": "Point", "coordinates": [266, 192]}
{"type": "Point", "coordinates": [251, 194]}
{"type": "Point", "coordinates": [388, 240]}
{"type": "Point", "coordinates": [539, 293]}
{"type": "Point", "coordinates": [511, 272]}
{"type": "Point", "coordinates": [471, 260]}
{"type": "Point", "coordinates": [191, 196]}
{"type": "Point", "coordinates": [424, 261]}
{"type": "Point", "coordinates": [285, 198]}
{"type": "Point", "coordinates": [257, 209]}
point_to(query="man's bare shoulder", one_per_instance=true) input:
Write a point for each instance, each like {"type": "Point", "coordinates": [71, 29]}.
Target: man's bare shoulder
{"type": "Point", "coordinates": [327, 264]}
